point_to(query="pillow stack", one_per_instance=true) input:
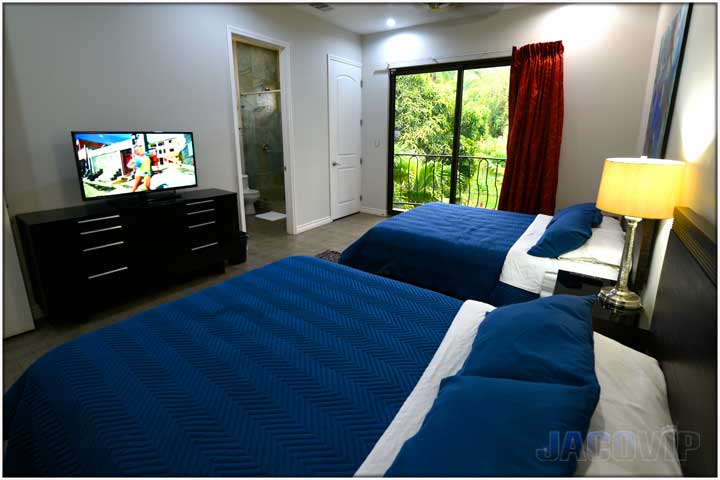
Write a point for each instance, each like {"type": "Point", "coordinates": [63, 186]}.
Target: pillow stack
{"type": "Point", "coordinates": [568, 230]}
{"type": "Point", "coordinates": [521, 405]}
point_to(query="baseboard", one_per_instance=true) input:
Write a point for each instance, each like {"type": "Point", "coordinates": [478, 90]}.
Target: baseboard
{"type": "Point", "coordinates": [373, 211]}
{"type": "Point", "coordinates": [314, 224]}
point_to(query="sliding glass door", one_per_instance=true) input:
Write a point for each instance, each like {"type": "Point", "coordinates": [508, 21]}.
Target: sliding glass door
{"type": "Point", "coordinates": [423, 137]}
{"type": "Point", "coordinates": [448, 132]}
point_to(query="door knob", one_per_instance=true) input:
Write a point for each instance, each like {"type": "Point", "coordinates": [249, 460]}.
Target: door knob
{"type": "Point", "coordinates": [335, 164]}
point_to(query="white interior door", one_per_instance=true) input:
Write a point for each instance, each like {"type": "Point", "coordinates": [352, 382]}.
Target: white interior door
{"type": "Point", "coordinates": [345, 113]}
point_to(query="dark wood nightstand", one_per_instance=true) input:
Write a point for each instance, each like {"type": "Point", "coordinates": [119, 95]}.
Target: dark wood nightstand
{"type": "Point", "coordinates": [628, 327]}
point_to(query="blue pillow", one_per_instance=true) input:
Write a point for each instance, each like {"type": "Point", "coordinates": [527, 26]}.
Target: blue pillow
{"type": "Point", "coordinates": [546, 340]}
{"type": "Point", "coordinates": [493, 427]}
{"type": "Point", "coordinates": [597, 218]}
{"type": "Point", "coordinates": [589, 208]}
{"type": "Point", "coordinates": [564, 233]}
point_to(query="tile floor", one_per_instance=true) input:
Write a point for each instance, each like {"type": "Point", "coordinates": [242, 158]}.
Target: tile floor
{"type": "Point", "coordinates": [267, 243]}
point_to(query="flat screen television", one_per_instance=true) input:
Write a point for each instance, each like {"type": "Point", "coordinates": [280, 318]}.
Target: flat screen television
{"type": "Point", "coordinates": [129, 163]}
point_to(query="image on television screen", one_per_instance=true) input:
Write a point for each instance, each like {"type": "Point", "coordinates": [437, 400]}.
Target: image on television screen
{"type": "Point", "coordinates": [120, 163]}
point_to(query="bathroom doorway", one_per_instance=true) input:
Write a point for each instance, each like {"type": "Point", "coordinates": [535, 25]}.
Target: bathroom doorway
{"type": "Point", "coordinates": [261, 135]}
{"type": "Point", "coordinates": [258, 84]}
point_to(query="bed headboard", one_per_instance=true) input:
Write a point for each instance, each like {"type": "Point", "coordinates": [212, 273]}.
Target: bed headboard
{"type": "Point", "coordinates": [684, 339]}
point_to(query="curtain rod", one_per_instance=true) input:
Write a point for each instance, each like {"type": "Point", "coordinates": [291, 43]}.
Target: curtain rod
{"type": "Point", "coordinates": [436, 60]}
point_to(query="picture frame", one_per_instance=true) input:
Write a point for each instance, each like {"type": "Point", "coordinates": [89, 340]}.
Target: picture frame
{"type": "Point", "coordinates": [667, 77]}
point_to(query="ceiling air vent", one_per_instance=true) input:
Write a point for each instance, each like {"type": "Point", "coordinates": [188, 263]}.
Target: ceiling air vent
{"type": "Point", "coordinates": [323, 7]}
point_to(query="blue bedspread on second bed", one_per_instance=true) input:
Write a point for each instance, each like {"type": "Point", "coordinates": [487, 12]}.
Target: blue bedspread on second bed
{"type": "Point", "coordinates": [294, 369]}
{"type": "Point", "coordinates": [452, 249]}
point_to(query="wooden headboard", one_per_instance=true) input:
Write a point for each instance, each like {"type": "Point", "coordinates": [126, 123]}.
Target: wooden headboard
{"type": "Point", "coordinates": [684, 339]}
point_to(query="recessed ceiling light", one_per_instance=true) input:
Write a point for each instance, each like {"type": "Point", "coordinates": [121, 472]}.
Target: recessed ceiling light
{"type": "Point", "coordinates": [390, 22]}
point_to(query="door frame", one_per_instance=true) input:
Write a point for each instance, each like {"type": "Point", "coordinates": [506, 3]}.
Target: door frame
{"type": "Point", "coordinates": [284, 58]}
{"type": "Point", "coordinates": [434, 67]}
{"type": "Point", "coordinates": [331, 137]}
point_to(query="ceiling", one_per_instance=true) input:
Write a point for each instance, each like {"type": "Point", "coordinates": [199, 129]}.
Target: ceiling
{"type": "Point", "coordinates": [370, 18]}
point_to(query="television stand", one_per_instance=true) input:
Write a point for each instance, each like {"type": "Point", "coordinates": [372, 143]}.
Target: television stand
{"type": "Point", "coordinates": [85, 258]}
{"type": "Point", "coordinates": [144, 198]}
{"type": "Point", "coordinates": [161, 196]}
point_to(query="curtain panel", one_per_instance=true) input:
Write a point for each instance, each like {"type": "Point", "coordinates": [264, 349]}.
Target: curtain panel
{"type": "Point", "coordinates": [535, 129]}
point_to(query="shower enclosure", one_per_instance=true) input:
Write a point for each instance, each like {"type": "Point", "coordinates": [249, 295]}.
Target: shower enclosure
{"type": "Point", "coordinates": [258, 83]}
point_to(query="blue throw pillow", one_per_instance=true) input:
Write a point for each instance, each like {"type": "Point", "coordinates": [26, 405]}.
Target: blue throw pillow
{"type": "Point", "coordinates": [588, 208]}
{"type": "Point", "coordinates": [492, 427]}
{"type": "Point", "coordinates": [597, 218]}
{"type": "Point", "coordinates": [546, 340]}
{"type": "Point", "coordinates": [564, 233]}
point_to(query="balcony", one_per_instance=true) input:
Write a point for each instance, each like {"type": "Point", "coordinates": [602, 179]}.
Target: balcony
{"type": "Point", "coordinates": [420, 178]}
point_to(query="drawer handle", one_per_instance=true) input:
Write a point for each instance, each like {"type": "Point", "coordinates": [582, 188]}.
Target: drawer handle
{"type": "Point", "coordinates": [199, 203]}
{"type": "Point", "coordinates": [89, 220]}
{"type": "Point", "coordinates": [201, 211]}
{"type": "Point", "coordinates": [204, 246]}
{"type": "Point", "coordinates": [109, 272]}
{"type": "Point", "coordinates": [101, 230]}
{"type": "Point", "coordinates": [201, 224]}
{"type": "Point", "coordinates": [90, 249]}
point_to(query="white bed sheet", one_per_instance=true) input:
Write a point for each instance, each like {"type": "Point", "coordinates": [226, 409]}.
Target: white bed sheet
{"type": "Point", "coordinates": [447, 361]}
{"type": "Point", "coordinates": [548, 284]}
{"type": "Point", "coordinates": [527, 272]}
{"type": "Point", "coordinates": [633, 399]}
{"type": "Point", "coordinates": [633, 412]}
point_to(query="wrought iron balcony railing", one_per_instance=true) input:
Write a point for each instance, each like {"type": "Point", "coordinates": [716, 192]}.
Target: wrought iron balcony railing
{"type": "Point", "coordinates": [420, 178]}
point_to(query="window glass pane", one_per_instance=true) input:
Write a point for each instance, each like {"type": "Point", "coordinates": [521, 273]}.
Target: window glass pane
{"type": "Point", "coordinates": [483, 136]}
{"type": "Point", "coordinates": [423, 138]}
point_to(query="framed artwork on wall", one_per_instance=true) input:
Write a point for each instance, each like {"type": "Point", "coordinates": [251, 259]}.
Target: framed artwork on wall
{"type": "Point", "coordinates": [667, 76]}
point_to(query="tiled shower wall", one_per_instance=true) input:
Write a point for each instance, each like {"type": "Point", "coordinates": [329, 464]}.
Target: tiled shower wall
{"type": "Point", "coordinates": [258, 71]}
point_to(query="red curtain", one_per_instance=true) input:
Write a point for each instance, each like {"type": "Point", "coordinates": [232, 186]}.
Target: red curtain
{"type": "Point", "coordinates": [535, 129]}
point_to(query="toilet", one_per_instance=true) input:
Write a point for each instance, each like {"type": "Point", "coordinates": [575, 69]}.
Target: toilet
{"type": "Point", "coordinates": [250, 196]}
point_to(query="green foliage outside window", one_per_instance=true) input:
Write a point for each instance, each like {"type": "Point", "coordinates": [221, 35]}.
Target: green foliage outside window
{"type": "Point", "coordinates": [424, 119]}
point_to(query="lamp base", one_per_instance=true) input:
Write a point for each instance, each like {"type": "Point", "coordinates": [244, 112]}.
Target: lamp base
{"type": "Point", "coordinates": [612, 297]}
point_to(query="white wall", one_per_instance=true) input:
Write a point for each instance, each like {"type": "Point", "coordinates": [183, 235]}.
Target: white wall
{"type": "Point", "coordinates": [692, 129]}
{"type": "Point", "coordinates": [607, 55]}
{"type": "Point", "coordinates": [152, 67]}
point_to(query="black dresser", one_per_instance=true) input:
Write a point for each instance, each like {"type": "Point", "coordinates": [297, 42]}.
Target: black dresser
{"type": "Point", "coordinates": [83, 258]}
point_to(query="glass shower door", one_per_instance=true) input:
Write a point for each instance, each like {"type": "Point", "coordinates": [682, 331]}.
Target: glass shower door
{"type": "Point", "coordinates": [262, 148]}
{"type": "Point", "coordinates": [261, 124]}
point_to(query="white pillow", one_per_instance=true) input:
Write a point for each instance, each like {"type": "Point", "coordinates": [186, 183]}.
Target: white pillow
{"type": "Point", "coordinates": [604, 246]}
{"type": "Point", "coordinates": [610, 223]}
{"type": "Point", "coordinates": [631, 432]}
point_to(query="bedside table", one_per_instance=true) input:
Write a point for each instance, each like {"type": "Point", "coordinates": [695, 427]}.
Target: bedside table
{"type": "Point", "coordinates": [628, 327]}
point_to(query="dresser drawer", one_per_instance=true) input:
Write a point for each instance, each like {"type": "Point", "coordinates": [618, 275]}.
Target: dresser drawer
{"type": "Point", "coordinates": [199, 216]}
{"type": "Point", "coordinates": [110, 276]}
{"type": "Point", "coordinates": [97, 223]}
{"type": "Point", "coordinates": [202, 256]}
{"type": "Point", "coordinates": [103, 258]}
{"type": "Point", "coordinates": [202, 234]}
{"type": "Point", "coordinates": [109, 287]}
{"type": "Point", "coordinates": [194, 205]}
{"type": "Point", "coordinates": [207, 248]}
{"type": "Point", "coordinates": [100, 237]}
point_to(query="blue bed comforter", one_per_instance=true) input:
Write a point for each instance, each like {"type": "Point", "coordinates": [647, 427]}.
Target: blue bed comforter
{"type": "Point", "coordinates": [452, 249]}
{"type": "Point", "coordinates": [294, 369]}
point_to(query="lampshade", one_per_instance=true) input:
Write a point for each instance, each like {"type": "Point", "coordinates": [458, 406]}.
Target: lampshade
{"type": "Point", "coordinates": [640, 187]}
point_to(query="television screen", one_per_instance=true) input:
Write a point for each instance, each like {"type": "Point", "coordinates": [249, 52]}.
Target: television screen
{"type": "Point", "coordinates": [116, 163]}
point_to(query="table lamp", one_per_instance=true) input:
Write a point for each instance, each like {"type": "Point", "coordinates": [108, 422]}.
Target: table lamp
{"type": "Point", "coordinates": [636, 188]}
